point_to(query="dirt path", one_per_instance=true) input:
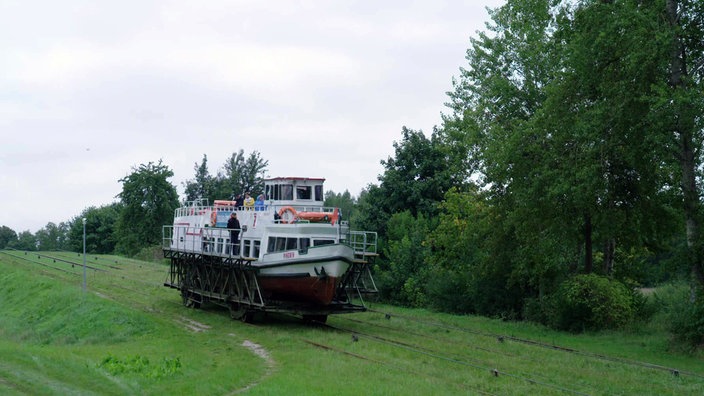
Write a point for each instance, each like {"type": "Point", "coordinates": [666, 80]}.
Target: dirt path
{"type": "Point", "coordinates": [262, 353]}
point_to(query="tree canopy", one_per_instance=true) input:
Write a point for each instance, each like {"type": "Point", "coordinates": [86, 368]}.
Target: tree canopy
{"type": "Point", "coordinates": [149, 202]}
{"type": "Point", "coordinates": [238, 175]}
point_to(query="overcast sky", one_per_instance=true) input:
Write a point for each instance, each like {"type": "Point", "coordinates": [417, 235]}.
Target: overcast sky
{"type": "Point", "coordinates": [91, 89]}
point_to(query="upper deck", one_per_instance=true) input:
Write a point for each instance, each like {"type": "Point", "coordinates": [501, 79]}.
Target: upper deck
{"type": "Point", "coordinates": [293, 208]}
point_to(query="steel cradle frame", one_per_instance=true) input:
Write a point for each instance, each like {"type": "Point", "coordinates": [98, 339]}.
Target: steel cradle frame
{"type": "Point", "coordinates": [231, 281]}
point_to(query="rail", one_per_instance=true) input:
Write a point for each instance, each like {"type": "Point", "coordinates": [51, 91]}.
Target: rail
{"type": "Point", "coordinates": [205, 240]}
{"type": "Point", "coordinates": [364, 243]}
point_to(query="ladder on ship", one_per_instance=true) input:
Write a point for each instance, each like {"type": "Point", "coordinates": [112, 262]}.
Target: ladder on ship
{"type": "Point", "coordinates": [361, 282]}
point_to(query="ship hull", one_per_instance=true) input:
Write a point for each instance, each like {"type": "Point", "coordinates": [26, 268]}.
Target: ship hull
{"type": "Point", "coordinates": [311, 277]}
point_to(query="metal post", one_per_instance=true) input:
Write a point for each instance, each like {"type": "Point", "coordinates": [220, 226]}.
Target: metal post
{"type": "Point", "coordinates": [84, 254]}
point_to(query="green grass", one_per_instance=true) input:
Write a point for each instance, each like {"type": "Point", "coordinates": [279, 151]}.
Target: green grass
{"type": "Point", "coordinates": [131, 335]}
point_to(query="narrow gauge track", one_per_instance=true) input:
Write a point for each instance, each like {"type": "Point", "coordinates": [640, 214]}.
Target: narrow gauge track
{"type": "Point", "coordinates": [395, 367]}
{"type": "Point", "coordinates": [503, 337]}
{"type": "Point", "coordinates": [444, 340]}
{"type": "Point", "coordinates": [39, 256]}
{"type": "Point", "coordinates": [482, 366]}
{"type": "Point", "coordinates": [93, 259]}
{"type": "Point", "coordinates": [75, 270]}
{"type": "Point", "coordinates": [98, 260]}
{"type": "Point", "coordinates": [447, 341]}
{"type": "Point", "coordinates": [79, 263]}
{"type": "Point", "coordinates": [64, 256]}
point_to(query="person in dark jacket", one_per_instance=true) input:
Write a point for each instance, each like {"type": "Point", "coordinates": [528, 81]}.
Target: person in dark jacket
{"type": "Point", "coordinates": [239, 201]}
{"type": "Point", "coordinates": [234, 226]}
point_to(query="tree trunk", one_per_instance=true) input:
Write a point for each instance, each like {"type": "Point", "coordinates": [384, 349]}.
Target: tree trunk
{"type": "Point", "coordinates": [685, 128]}
{"type": "Point", "coordinates": [609, 253]}
{"type": "Point", "coordinates": [588, 254]}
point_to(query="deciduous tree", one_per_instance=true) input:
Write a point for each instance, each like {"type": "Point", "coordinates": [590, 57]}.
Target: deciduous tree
{"type": "Point", "coordinates": [101, 232]}
{"type": "Point", "coordinates": [7, 235]}
{"type": "Point", "coordinates": [203, 185]}
{"type": "Point", "coordinates": [149, 201]}
{"type": "Point", "coordinates": [53, 237]}
{"type": "Point", "coordinates": [240, 175]}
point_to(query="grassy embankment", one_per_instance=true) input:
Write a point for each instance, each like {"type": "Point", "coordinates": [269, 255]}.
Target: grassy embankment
{"type": "Point", "coordinates": [131, 335]}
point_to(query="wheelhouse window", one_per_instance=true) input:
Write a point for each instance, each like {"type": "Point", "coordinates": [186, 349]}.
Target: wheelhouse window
{"type": "Point", "coordinates": [304, 192]}
{"type": "Point", "coordinates": [280, 192]}
{"type": "Point", "coordinates": [319, 193]}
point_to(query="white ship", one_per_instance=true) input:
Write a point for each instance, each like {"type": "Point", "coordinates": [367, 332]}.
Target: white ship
{"type": "Point", "coordinates": [298, 250]}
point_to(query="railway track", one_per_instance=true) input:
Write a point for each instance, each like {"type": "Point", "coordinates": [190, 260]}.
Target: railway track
{"type": "Point", "coordinates": [419, 348]}
{"type": "Point", "coordinates": [66, 268]}
{"type": "Point", "coordinates": [539, 344]}
{"type": "Point", "coordinates": [464, 351]}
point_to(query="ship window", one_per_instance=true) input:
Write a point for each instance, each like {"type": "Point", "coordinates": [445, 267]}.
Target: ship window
{"type": "Point", "coordinates": [286, 191]}
{"type": "Point", "coordinates": [280, 192]}
{"type": "Point", "coordinates": [303, 192]}
{"type": "Point", "coordinates": [280, 244]}
{"type": "Point", "coordinates": [247, 246]}
{"type": "Point", "coordinates": [319, 192]}
{"type": "Point", "coordinates": [271, 246]}
{"type": "Point", "coordinates": [303, 243]}
{"type": "Point", "coordinates": [321, 242]}
{"type": "Point", "coordinates": [257, 245]}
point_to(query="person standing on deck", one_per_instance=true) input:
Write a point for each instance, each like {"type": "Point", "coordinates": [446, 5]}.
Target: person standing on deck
{"type": "Point", "coordinates": [248, 202]}
{"type": "Point", "coordinates": [259, 203]}
{"type": "Point", "coordinates": [234, 226]}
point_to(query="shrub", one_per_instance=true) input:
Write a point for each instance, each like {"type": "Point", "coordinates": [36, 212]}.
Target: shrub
{"type": "Point", "coordinates": [666, 299]}
{"type": "Point", "coordinates": [152, 254]}
{"type": "Point", "coordinates": [401, 280]}
{"type": "Point", "coordinates": [448, 291]}
{"type": "Point", "coordinates": [590, 302]}
{"type": "Point", "coordinates": [687, 321]}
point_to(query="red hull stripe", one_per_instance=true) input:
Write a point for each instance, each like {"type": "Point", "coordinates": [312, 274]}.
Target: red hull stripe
{"type": "Point", "coordinates": [307, 289]}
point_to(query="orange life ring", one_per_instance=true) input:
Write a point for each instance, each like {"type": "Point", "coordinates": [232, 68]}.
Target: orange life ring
{"type": "Point", "coordinates": [285, 209]}
{"type": "Point", "coordinates": [213, 217]}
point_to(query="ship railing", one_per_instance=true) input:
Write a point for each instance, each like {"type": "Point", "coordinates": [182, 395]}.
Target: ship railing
{"type": "Point", "coordinates": [192, 210]}
{"type": "Point", "coordinates": [359, 279]}
{"type": "Point", "coordinates": [305, 208]}
{"type": "Point", "coordinates": [202, 240]}
{"type": "Point", "coordinates": [197, 206]}
{"type": "Point", "coordinates": [364, 243]}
